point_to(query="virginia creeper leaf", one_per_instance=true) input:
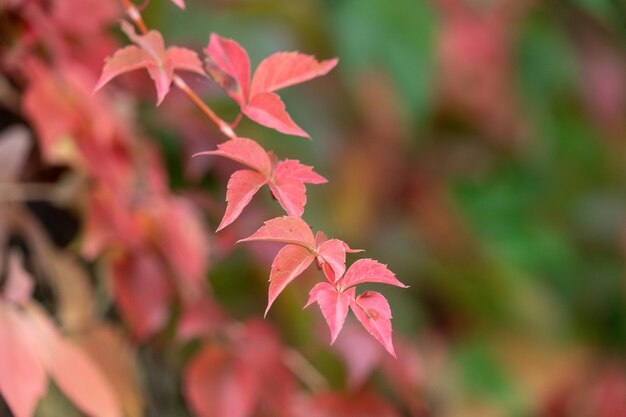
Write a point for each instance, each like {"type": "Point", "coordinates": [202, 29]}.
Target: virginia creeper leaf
{"type": "Point", "coordinates": [242, 186]}
{"type": "Point", "coordinates": [333, 252]}
{"type": "Point", "coordinates": [288, 185]}
{"type": "Point", "coordinates": [334, 306]}
{"type": "Point", "coordinates": [232, 60]}
{"type": "Point", "coordinates": [290, 262]}
{"type": "Point", "coordinates": [151, 54]}
{"type": "Point", "coordinates": [290, 193]}
{"type": "Point", "coordinates": [294, 169]}
{"type": "Point", "coordinates": [245, 151]}
{"type": "Point", "coordinates": [284, 69]}
{"type": "Point", "coordinates": [229, 66]}
{"type": "Point", "coordinates": [268, 109]}
{"type": "Point", "coordinates": [369, 270]}
{"type": "Point", "coordinates": [372, 310]}
{"type": "Point", "coordinates": [285, 229]}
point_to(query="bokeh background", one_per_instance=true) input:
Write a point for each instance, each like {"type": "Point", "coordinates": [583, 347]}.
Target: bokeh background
{"type": "Point", "coordinates": [477, 147]}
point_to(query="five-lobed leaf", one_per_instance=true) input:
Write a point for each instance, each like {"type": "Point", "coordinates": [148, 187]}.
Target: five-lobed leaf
{"type": "Point", "coordinates": [286, 179]}
{"type": "Point", "coordinates": [257, 98]}
{"type": "Point", "coordinates": [149, 52]}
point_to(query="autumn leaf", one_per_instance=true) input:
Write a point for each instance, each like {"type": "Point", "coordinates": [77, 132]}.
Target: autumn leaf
{"type": "Point", "coordinates": [369, 270]}
{"type": "Point", "coordinates": [150, 53]}
{"type": "Point", "coordinates": [229, 66]}
{"type": "Point", "coordinates": [372, 310]}
{"type": "Point", "coordinates": [32, 347]}
{"type": "Point", "coordinates": [302, 248]}
{"type": "Point", "coordinates": [285, 179]}
{"type": "Point", "coordinates": [334, 305]}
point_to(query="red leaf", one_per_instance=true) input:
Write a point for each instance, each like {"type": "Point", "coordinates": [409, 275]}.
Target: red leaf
{"type": "Point", "coordinates": [369, 270]}
{"type": "Point", "coordinates": [73, 370]}
{"type": "Point", "coordinates": [216, 384]}
{"type": "Point", "coordinates": [290, 262]}
{"type": "Point", "coordinates": [23, 379]}
{"type": "Point", "coordinates": [181, 236]}
{"type": "Point", "coordinates": [333, 252]}
{"type": "Point", "coordinates": [242, 186]}
{"type": "Point", "coordinates": [233, 60]}
{"type": "Point", "coordinates": [290, 193]}
{"type": "Point", "coordinates": [142, 293]}
{"type": "Point", "coordinates": [294, 169]}
{"type": "Point", "coordinates": [287, 230]}
{"type": "Point", "coordinates": [285, 69]}
{"type": "Point", "coordinates": [334, 306]}
{"type": "Point", "coordinates": [288, 185]}
{"type": "Point", "coordinates": [268, 110]}
{"type": "Point", "coordinates": [372, 310]}
{"type": "Point", "coordinates": [151, 55]}
{"type": "Point", "coordinates": [245, 151]}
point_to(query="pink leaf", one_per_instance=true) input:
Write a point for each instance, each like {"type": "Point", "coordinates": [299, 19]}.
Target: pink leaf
{"type": "Point", "coordinates": [19, 285]}
{"type": "Point", "coordinates": [290, 262]}
{"type": "Point", "coordinates": [216, 384]}
{"type": "Point", "coordinates": [290, 193]}
{"type": "Point", "coordinates": [333, 252]}
{"type": "Point", "coordinates": [287, 230]}
{"type": "Point", "coordinates": [285, 69]}
{"type": "Point", "coordinates": [179, 3]}
{"type": "Point", "coordinates": [123, 60]}
{"type": "Point", "coordinates": [268, 110]}
{"type": "Point", "coordinates": [23, 379]}
{"type": "Point", "coordinates": [372, 310]}
{"type": "Point", "coordinates": [151, 55]}
{"type": "Point", "coordinates": [233, 60]}
{"type": "Point", "coordinates": [242, 186]}
{"type": "Point", "coordinates": [184, 59]}
{"type": "Point", "coordinates": [369, 270]}
{"type": "Point", "coordinates": [334, 306]}
{"type": "Point", "coordinates": [294, 169]}
{"type": "Point", "coordinates": [245, 151]}
{"type": "Point", "coordinates": [288, 185]}
{"type": "Point", "coordinates": [72, 369]}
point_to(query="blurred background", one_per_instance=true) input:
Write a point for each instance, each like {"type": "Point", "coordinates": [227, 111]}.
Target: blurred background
{"type": "Point", "coordinates": [477, 147]}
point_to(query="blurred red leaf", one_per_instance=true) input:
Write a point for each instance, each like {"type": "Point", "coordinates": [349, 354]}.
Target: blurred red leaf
{"type": "Point", "coordinates": [142, 293]}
